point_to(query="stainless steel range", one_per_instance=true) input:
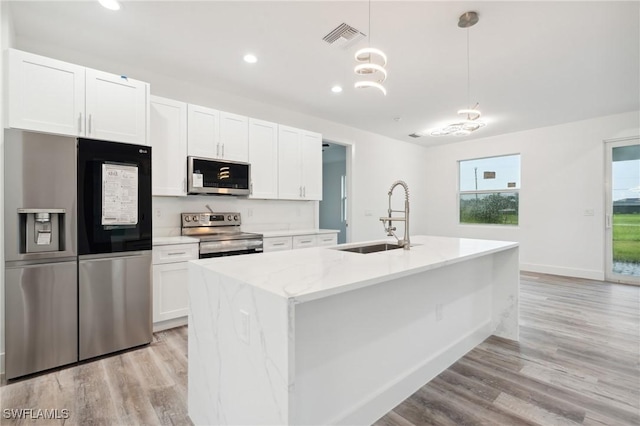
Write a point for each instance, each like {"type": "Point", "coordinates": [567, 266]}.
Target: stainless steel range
{"type": "Point", "coordinates": [220, 234]}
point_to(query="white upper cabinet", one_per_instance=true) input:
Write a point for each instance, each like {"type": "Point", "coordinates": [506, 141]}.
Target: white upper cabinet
{"type": "Point", "coordinates": [263, 156]}
{"type": "Point", "coordinates": [52, 96]}
{"type": "Point", "coordinates": [203, 135]}
{"type": "Point", "coordinates": [116, 107]}
{"type": "Point", "coordinates": [45, 95]}
{"type": "Point", "coordinates": [299, 164]}
{"type": "Point", "coordinates": [311, 153]}
{"type": "Point", "coordinates": [234, 137]}
{"type": "Point", "coordinates": [168, 137]}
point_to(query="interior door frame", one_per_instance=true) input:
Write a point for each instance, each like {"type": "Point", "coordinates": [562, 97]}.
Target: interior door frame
{"type": "Point", "coordinates": [609, 275]}
{"type": "Point", "coordinates": [350, 151]}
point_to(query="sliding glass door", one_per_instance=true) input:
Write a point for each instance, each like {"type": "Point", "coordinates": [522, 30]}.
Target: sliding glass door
{"type": "Point", "coordinates": [623, 211]}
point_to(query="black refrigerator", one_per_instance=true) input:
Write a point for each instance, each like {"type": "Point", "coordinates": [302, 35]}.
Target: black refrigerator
{"type": "Point", "coordinates": [114, 247]}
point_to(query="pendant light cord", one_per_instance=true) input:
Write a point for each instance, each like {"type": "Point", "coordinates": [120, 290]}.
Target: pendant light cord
{"type": "Point", "coordinates": [468, 74]}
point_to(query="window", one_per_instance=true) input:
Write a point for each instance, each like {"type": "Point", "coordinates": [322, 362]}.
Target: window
{"type": "Point", "coordinates": [489, 190]}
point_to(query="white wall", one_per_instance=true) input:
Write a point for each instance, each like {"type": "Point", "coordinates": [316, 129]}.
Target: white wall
{"type": "Point", "coordinates": [377, 160]}
{"type": "Point", "coordinates": [562, 171]}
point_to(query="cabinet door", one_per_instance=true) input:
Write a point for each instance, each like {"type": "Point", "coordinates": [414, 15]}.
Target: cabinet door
{"type": "Point", "coordinates": [311, 152]}
{"type": "Point", "coordinates": [116, 108]}
{"type": "Point", "coordinates": [327, 240]}
{"type": "Point", "coordinates": [263, 156]}
{"type": "Point", "coordinates": [289, 166]}
{"type": "Point", "coordinates": [271, 244]}
{"type": "Point", "coordinates": [203, 132]}
{"type": "Point", "coordinates": [168, 137]}
{"type": "Point", "coordinates": [45, 95]}
{"type": "Point", "coordinates": [234, 137]}
{"type": "Point", "coordinates": [170, 291]}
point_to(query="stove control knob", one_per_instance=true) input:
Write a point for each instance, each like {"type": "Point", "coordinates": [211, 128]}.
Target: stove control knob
{"type": "Point", "coordinates": [229, 218]}
{"type": "Point", "coordinates": [187, 218]}
{"type": "Point", "coordinates": [235, 217]}
{"type": "Point", "coordinates": [195, 218]}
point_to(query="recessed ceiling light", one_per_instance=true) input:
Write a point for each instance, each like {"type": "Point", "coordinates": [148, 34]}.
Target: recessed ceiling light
{"type": "Point", "coordinates": [336, 89]}
{"type": "Point", "coordinates": [250, 58]}
{"type": "Point", "coordinates": [110, 4]}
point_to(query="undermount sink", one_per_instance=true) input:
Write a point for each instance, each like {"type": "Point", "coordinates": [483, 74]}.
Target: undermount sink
{"type": "Point", "coordinates": [373, 248]}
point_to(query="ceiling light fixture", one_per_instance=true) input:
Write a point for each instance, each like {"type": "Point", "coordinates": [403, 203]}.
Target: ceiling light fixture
{"type": "Point", "coordinates": [336, 89]}
{"type": "Point", "coordinates": [250, 58]}
{"type": "Point", "coordinates": [110, 4]}
{"type": "Point", "coordinates": [372, 65]}
{"type": "Point", "coordinates": [470, 122]}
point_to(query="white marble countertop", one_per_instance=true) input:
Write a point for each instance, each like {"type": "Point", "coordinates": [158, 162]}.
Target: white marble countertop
{"type": "Point", "coordinates": [314, 273]}
{"type": "Point", "coordinates": [163, 241]}
{"type": "Point", "coordinates": [293, 232]}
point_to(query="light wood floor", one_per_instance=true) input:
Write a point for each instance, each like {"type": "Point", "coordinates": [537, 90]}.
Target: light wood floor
{"type": "Point", "coordinates": [578, 362]}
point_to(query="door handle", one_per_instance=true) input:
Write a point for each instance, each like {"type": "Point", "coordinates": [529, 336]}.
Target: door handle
{"type": "Point", "coordinates": [608, 221]}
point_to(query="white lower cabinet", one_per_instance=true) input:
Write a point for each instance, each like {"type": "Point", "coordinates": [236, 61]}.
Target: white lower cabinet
{"type": "Point", "coordinates": [327, 240]}
{"type": "Point", "coordinates": [304, 241]}
{"type": "Point", "coordinates": [276, 244]}
{"type": "Point", "coordinates": [294, 242]}
{"type": "Point", "coordinates": [170, 282]}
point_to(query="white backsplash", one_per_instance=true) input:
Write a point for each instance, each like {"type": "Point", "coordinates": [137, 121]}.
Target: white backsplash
{"type": "Point", "coordinates": [257, 215]}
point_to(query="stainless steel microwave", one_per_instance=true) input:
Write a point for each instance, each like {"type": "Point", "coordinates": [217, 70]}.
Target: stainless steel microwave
{"type": "Point", "coordinates": [211, 176]}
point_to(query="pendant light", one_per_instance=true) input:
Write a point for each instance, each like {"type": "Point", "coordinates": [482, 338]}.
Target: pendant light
{"type": "Point", "coordinates": [371, 65]}
{"type": "Point", "coordinates": [469, 122]}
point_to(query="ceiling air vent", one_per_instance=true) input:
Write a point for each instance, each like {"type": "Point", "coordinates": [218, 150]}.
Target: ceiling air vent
{"type": "Point", "coordinates": [416, 135]}
{"type": "Point", "coordinates": [343, 36]}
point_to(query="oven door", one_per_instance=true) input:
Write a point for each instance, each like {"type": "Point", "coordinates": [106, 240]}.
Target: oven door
{"type": "Point", "coordinates": [209, 176]}
{"type": "Point", "coordinates": [114, 197]}
{"type": "Point", "coordinates": [229, 248]}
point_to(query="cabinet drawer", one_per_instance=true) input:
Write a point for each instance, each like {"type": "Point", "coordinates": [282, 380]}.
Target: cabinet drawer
{"type": "Point", "coordinates": [175, 253]}
{"type": "Point", "coordinates": [327, 240]}
{"type": "Point", "coordinates": [277, 244]}
{"type": "Point", "coordinates": [304, 241]}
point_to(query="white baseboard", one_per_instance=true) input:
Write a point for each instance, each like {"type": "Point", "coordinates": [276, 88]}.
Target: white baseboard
{"type": "Point", "coordinates": [172, 323]}
{"type": "Point", "coordinates": [589, 274]}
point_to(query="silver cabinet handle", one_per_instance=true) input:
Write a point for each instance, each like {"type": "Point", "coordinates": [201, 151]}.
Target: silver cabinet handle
{"type": "Point", "coordinates": [305, 241]}
{"type": "Point", "coordinates": [222, 150]}
{"type": "Point", "coordinates": [217, 150]}
{"type": "Point", "coordinates": [176, 253]}
{"type": "Point", "coordinates": [80, 123]}
{"type": "Point", "coordinates": [304, 191]}
{"type": "Point", "coordinates": [277, 244]}
{"type": "Point", "coordinates": [89, 126]}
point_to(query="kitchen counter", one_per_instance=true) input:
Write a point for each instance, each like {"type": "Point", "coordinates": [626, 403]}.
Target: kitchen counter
{"type": "Point", "coordinates": [322, 336]}
{"type": "Point", "coordinates": [164, 241]}
{"type": "Point", "coordinates": [294, 232]}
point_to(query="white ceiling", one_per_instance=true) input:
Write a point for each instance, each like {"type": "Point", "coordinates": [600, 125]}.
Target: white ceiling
{"type": "Point", "coordinates": [533, 64]}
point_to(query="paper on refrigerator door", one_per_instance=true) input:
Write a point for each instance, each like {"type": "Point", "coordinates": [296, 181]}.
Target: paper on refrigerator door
{"type": "Point", "coordinates": [119, 194]}
{"type": "Point", "coordinates": [198, 180]}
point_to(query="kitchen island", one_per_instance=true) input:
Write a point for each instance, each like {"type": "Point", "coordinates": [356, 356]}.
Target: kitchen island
{"type": "Point", "coordinates": [323, 336]}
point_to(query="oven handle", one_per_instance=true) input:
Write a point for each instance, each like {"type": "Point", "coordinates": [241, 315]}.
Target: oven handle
{"type": "Point", "coordinates": [229, 245]}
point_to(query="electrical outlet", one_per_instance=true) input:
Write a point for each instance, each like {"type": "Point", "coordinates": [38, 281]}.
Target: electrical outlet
{"type": "Point", "coordinates": [439, 313]}
{"type": "Point", "coordinates": [158, 212]}
{"type": "Point", "coordinates": [245, 326]}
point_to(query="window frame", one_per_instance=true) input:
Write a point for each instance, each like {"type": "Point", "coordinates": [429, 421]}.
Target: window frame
{"type": "Point", "coordinates": [488, 191]}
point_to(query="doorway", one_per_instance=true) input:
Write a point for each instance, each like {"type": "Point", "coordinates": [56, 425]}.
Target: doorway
{"type": "Point", "coordinates": [622, 223]}
{"type": "Point", "coordinates": [334, 205]}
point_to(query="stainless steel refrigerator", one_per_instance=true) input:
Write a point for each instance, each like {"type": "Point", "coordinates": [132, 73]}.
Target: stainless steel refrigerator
{"type": "Point", "coordinates": [59, 307]}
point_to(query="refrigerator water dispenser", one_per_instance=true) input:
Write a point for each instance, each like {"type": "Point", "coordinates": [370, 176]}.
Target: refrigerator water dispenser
{"type": "Point", "coordinates": [41, 230]}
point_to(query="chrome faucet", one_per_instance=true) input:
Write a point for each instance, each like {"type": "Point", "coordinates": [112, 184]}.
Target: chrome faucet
{"type": "Point", "coordinates": [405, 243]}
